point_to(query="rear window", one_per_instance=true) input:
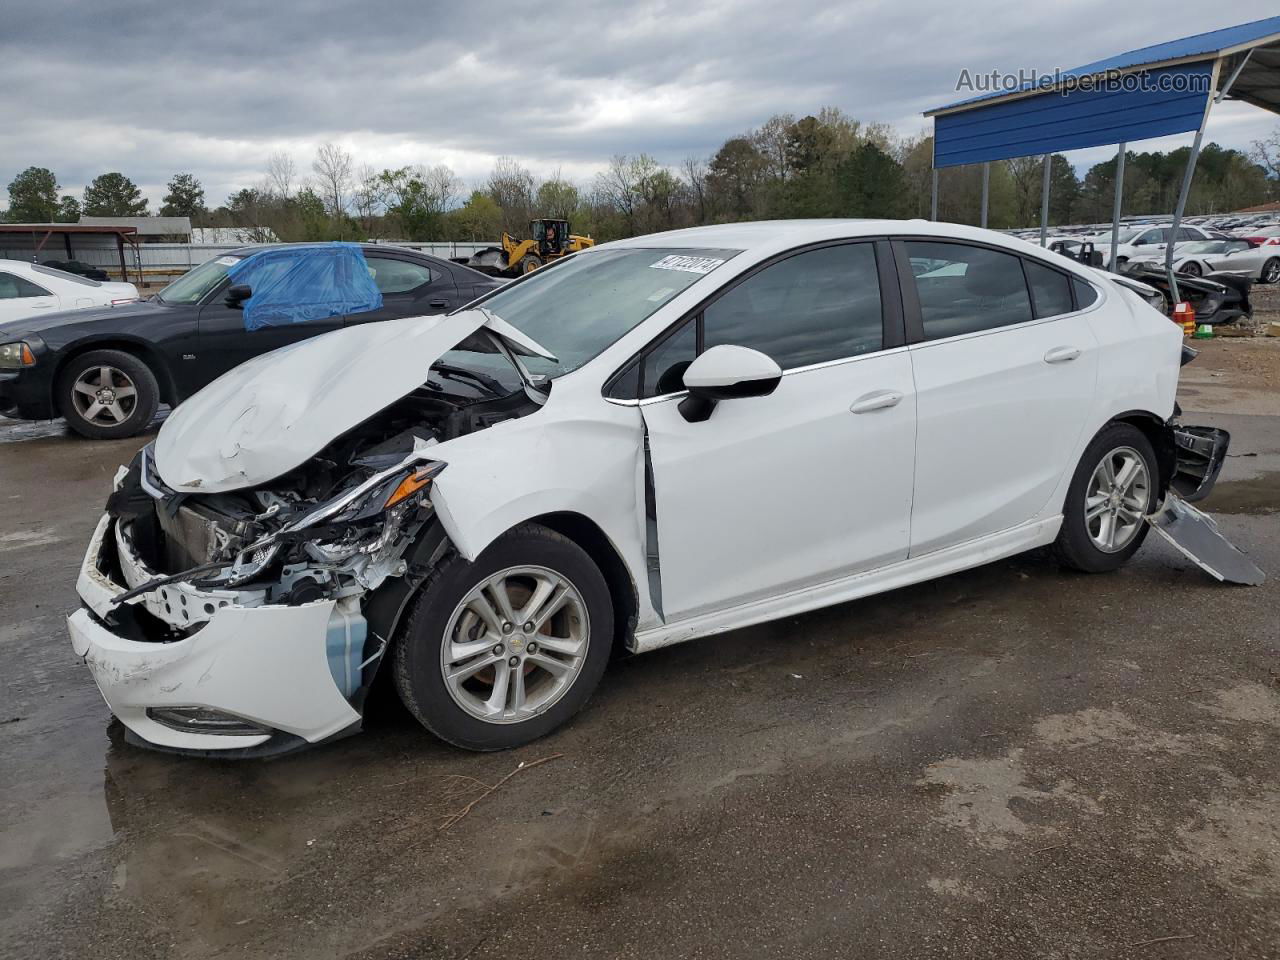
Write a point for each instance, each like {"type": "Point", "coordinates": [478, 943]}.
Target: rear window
{"type": "Point", "coordinates": [64, 275]}
{"type": "Point", "coordinates": [1086, 293]}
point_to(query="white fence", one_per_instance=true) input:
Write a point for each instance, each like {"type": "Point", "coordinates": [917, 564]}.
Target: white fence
{"type": "Point", "coordinates": [172, 259]}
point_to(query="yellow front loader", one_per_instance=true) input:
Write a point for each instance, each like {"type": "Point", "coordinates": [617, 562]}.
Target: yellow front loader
{"type": "Point", "coordinates": [548, 240]}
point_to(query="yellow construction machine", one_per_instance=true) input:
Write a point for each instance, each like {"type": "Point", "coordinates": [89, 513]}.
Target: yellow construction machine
{"type": "Point", "coordinates": [548, 240]}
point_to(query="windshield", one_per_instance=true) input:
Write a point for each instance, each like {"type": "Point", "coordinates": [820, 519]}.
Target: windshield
{"type": "Point", "coordinates": [1203, 246]}
{"type": "Point", "coordinates": [579, 306]}
{"type": "Point", "coordinates": [194, 284]}
{"type": "Point", "coordinates": [63, 275]}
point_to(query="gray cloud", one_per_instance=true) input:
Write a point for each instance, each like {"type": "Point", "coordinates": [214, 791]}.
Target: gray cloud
{"type": "Point", "coordinates": [152, 89]}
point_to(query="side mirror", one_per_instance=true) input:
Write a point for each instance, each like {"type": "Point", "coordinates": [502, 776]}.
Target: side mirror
{"type": "Point", "coordinates": [726, 373]}
{"type": "Point", "coordinates": [237, 294]}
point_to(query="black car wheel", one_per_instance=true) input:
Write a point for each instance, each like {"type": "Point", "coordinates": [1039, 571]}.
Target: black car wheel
{"type": "Point", "coordinates": [107, 394]}
{"type": "Point", "coordinates": [1114, 487]}
{"type": "Point", "coordinates": [501, 651]}
{"type": "Point", "coordinates": [1271, 271]}
{"type": "Point", "coordinates": [1191, 269]}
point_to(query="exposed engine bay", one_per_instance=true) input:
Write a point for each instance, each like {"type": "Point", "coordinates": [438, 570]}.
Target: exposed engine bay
{"type": "Point", "coordinates": [336, 527]}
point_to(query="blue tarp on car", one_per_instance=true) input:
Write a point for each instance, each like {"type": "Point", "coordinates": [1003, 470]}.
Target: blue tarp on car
{"type": "Point", "coordinates": [305, 282]}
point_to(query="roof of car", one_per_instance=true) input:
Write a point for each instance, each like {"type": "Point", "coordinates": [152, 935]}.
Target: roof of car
{"type": "Point", "coordinates": [768, 236]}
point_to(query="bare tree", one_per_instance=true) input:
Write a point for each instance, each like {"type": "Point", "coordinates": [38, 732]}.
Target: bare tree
{"type": "Point", "coordinates": [1267, 153]}
{"type": "Point", "coordinates": [369, 199]}
{"type": "Point", "coordinates": [616, 186]}
{"type": "Point", "coordinates": [282, 174]}
{"type": "Point", "coordinates": [511, 188]}
{"type": "Point", "coordinates": [440, 185]}
{"type": "Point", "coordinates": [771, 141]}
{"type": "Point", "coordinates": [695, 173]}
{"type": "Point", "coordinates": [332, 167]}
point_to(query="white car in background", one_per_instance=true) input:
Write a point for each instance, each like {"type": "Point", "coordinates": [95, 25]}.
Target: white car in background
{"type": "Point", "coordinates": [32, 290]}
{"type": "Point", "coordinates": [1143, 240]}
{"type": "Point", "coordinates": [1219, 256]}
{"type": "Point", "coordinates": [653, 440]}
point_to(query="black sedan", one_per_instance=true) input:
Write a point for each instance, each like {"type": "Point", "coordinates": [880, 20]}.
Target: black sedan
{"type": "Point", "coordinates": [106, 370]}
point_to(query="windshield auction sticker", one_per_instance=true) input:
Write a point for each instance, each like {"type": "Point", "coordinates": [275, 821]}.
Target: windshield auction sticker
{"type": "Point", "coordinates": [687, 264]}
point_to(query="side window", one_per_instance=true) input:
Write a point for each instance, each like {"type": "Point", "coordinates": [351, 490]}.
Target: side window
{"type": "Point", "coordinates": [663, 368]}
{"type": "Point", "coordinates": [1186, 233]}
{"type": "Point", "coordinates": [1050, 290]}
{"type": "Point", "coordinates": [397, 276]}
{"type": "Point", "coordinates": [816, 306]}
{"type": "Point", "coordinates": [1086, 293]}
{"type": "Point", "coordinates": [13, 287]}
{"type": "Point", "coordinates": [967, 289]}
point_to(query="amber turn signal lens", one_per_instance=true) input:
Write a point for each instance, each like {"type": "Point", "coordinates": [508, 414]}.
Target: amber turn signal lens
{"type": "Point", "coordinates": [411, 485]}
{"type": "Point", "coordinates": [28, 358]}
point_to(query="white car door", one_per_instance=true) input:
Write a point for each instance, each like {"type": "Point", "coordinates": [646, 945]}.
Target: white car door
{"type": "Point", "coordinates": [1004, 387]}
{"type": "Point", "coordinates": [808, 484]}
{"type": "Point", "coordinates": [20, 298]}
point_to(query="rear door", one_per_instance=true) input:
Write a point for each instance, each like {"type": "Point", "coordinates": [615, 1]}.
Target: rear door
{"type": "Point", "coordinates": [410, 287]}
{"type": "Point", "coordinates": [1005, 367]}
{"type": "Point", "coordinates": [20, 298]}
{"type": "Point", "coordinates": [809, 484]}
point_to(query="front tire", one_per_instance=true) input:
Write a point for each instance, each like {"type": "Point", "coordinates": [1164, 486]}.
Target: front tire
{"type": "Point", "coordinates": [502, 651]}
{"type": "Point", "coordinates": [107, 394]}
{"type": "Point", "coordinates": [1271, 271]}
{"type": "Point", "coordinates": [1114, 487]}
{"type": "Point", "coordinates": [1192, 269]}
{"type": "Point", "coordinates": [530, 263]}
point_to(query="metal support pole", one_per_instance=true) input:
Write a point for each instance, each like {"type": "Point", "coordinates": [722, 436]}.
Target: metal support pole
{"type": "Point", "coordinates": [1116, 207]}
{"type": "Point", "coordinates": [1188, 174]}
{"type": "Point", "coordinates": [1044, 202]}
{"type": "Point", "coordinates": [986, 192]}
{"type": "Point", "coordinates": [933, 206]}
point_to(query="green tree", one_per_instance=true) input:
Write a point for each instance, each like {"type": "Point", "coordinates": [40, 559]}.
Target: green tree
{"type": "Point", "coordinates": [478, 220]}
{"type": "Point", "coordinates": [185, 198]}
{"type": "Point", "coordinates": [68, 210]}
{"type": "Point", "coordinates": [870, 183]}
{"type": "Point", "coordinates": [33, 196]}
{"type": "Point", "coordinates": [733, 175]}
{"type": "Point", "coordinates": [557, 199]}
{"type": "Point", "coordinates": [114, 195]}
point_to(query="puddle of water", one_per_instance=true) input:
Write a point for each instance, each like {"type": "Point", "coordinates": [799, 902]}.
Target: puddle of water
{"type": "Point", "coordinates": [17, 431]}
{"type": "Point", "coordinates": [1259, 494]}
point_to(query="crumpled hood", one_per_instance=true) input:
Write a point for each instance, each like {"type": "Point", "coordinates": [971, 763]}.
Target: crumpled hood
{"type": "Point", "coordinates": [278, 410]}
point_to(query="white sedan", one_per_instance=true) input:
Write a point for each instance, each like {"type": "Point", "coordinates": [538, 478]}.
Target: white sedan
{"type": "Point", "coordinates": [651, 441]}
{"type": "Point", "coordinates": [32, 290]}
{"type": "Point", "coordinates": [1220, 256]}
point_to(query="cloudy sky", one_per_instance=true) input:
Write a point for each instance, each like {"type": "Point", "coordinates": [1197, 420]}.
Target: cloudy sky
{"type": "Point", "coordinates": [151, 89]}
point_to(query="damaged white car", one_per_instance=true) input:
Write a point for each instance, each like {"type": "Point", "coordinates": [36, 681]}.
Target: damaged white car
{"type": "Point", "coordinates": [650, 441]}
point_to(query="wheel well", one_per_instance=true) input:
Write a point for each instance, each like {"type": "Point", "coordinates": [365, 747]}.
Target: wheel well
{"type": "Point", "coordinates": [586, 534]}
{"type": "Point", "coordinates": [1161, 437]}
{"type": "Point", "coordinates": [139, 350]}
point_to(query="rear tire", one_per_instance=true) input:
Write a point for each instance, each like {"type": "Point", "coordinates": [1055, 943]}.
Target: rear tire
{"type": "Point", "coordinates": [1103, 521]}
{"type": "Point", "coordinates": [555, 665]}
{"type": "Point", "coordinates": [107, 394]}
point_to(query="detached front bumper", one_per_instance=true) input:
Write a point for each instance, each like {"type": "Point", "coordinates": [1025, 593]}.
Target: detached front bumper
{"type": "Point", "coordinates": [269, 665]}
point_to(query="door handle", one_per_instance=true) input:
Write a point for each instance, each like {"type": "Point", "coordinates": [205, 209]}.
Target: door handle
{"type": "Point", "coordinates": [437, 303]}
{"type": "Point", "coordinates": [1061, 354]}
{"type": "Point", "coordinates": [876, 400]}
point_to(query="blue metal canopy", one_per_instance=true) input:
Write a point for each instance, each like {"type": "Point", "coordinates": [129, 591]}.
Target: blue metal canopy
{"type": "Point", "coordinates": [1151, 92]}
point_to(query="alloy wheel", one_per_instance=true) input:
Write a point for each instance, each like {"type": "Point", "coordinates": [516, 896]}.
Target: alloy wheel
{"type": "Point", "coordinates": [104, 395]}
{"type": "Point", "coordinates": [1116, 499]}
{"type": "Point", "coordinates": [515, 644]}
{"type": "Point", "coordinates": [1271, 272]}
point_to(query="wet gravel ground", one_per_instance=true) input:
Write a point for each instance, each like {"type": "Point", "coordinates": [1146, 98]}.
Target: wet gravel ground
{"type": "Point", "coordinates": [1009, 762]}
